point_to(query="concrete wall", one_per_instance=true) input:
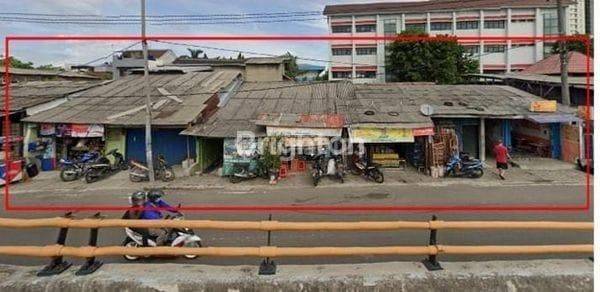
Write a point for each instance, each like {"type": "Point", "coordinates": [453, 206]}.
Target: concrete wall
{"type": "Point", "coordinates": [264, 72]}
{"type": "Point", "coordinates": [115, 139]}
{"type": "Point", "coordinates": [569, 142]}
{"type": "Point", "coordinates": [530, 275]}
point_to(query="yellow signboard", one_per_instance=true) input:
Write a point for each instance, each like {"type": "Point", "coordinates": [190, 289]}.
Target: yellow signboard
{"type": "Point", "coordinates": [547, 106]}
{"type": "Point", "coordinates": [381, 135]}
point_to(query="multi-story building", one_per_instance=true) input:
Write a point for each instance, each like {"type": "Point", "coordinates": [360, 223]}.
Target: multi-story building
{"type": "Point", "coordinates": [364, 60]}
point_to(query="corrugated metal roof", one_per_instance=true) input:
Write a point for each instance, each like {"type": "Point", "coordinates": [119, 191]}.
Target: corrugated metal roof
{"type": "Point", "coordinates": [27, 94]}
{"type": "Point", "coordinates": [256, 98]}
{"type": "Point", "coordinates": [551, 65]}
{"type": "Point", "coordinates": [178, 99]}
{"type": "Point", "coordinates": [401, 103]}
{"type": "Point", "coordinates": [19, 71]}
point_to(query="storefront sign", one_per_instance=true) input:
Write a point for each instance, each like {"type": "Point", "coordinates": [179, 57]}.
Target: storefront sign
{"type": "Point", "coordinates": [47, 129]}
{"type": "Point", "coordinates": [381, 135]}
{"type": "Point", "coordinates": [547, 106]}
{"type": "Point", "coordinates": [315, 132]}
{"type": "Point", "coordinates": [87, 131]}
{"type": "Point", "coordinates": [423, 132]}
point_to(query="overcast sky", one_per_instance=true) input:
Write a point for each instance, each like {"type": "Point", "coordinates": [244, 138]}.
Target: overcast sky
{"type": "Point", "coordinates": [81, 52]}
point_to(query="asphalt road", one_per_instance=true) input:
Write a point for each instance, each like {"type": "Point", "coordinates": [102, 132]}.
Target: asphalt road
{"type": "Point", "coordinates": [558, 195]}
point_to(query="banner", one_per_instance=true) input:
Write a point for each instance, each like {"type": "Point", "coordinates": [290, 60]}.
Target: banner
{"type": "Point", "coordinates": [87, 131]}
{"type": "Point", "coordinates": [423, 132]}
{"type": "Point", "coordinates": [47, 129]}
{"type": "Point", "coordinates": [303, 132]}
{"type": "Point", "coordinates": [381, 135]}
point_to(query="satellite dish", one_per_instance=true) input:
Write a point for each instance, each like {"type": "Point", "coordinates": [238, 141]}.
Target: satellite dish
{"type": "Point", "coordinates": [426, 109]}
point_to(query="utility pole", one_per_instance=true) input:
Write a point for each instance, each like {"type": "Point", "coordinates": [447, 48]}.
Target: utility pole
{"type": "Point", "coordinates": [149, 160]}
{"type": "Point", "coordinates": [564, 59]}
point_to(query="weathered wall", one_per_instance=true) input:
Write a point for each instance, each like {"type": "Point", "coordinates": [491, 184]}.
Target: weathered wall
{"type": "Point", "coordinates": [531, 275]}
{"type": "Point", "coordinates": [115, 139]}
{"type": "Point", "coordinates": [570, 142]}
{"type": "Point", "coordinates": [264, 72]}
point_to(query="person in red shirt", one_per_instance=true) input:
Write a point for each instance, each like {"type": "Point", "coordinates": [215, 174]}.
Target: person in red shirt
{"type": "Point", "coordinates": [502, 158]}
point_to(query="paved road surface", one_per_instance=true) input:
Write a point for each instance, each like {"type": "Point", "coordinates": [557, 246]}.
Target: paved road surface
{"type": "Point", "coordinates": [369, 195]}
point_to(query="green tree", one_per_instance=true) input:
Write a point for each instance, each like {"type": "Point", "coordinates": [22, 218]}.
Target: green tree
{"type": "Point", "coordinates": [439, 59]}
{"type": "Point", "coordinates": [291, 68]}
{"type": "Point", "coordinates": [194, 53]}
{"type": "Point", "coordinates": [16, 63]}
{"type": "Point", "coordinates": [50, 67]}
{"type": "Point", "coordinates": [575, 45]}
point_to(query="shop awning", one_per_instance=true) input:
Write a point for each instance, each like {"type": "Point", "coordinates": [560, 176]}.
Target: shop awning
{"type": "Point", "coordinates": [553, 118]}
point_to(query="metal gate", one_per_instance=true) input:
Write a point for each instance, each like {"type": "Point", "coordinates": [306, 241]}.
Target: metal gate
{"type": "Point", "coordinates": [167, 142]}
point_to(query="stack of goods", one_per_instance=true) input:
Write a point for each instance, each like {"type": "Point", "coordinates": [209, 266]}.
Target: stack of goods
{"type": "Point", "coordinates": [438, 152]}
{"type": "Point", "coordinates": [385, 156]}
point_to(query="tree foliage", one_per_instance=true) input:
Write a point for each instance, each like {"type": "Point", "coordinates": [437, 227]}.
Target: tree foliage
{"type": "Point", "coordinates": [575, 45]}
{"type": "Point", "coordinates": [291, 69]}
{"type": "Point", "coordinates": [439, 59]}
{"type": "Point", "coordinates": [195, 53]}
{"type": "Point", "coordinates": [16, 63]}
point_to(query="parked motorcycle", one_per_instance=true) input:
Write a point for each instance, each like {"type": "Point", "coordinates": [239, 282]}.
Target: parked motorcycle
{"type": "Point", "coordinates": [334, 167]}
{"type": "Point", "coordinates": [242, 171]}
{"type": "Point", "coordinates": [463, 165]}
{"type": "Point", "coordinates": [139, 172]}
{"type": "Point", "coordinates": [367, 170]}
{"type": "Point", "coordinates": [74, 169]}
{"type": "Point", "coordinates": [176, 237]}
{"type": "Point", "coordinates": [102, 167]}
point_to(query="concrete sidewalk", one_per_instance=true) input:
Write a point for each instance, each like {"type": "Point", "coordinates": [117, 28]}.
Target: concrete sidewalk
{"type": "Point", "coordinates": [551, 172]}
{"type": "Point", "coordinates": [535, 275]}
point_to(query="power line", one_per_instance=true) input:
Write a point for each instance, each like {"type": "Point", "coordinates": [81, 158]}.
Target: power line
{"type": "Point", "coordinates": [183, 22]}
{"type": "Point", "coordinates": [110, 54]}
{"type": "Point", "coordinates": [313, 12]}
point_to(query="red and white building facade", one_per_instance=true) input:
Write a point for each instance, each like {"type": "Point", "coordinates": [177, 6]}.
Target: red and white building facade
{"type": "Point", "coordinates": [364, 60]}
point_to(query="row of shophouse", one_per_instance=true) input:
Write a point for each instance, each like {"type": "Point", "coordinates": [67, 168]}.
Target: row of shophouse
{"type": "Point", "coordinates": [196, 117]}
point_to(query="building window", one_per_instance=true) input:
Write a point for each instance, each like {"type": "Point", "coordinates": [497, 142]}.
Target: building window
{"type": "Point", "coordinates": [389, 27]}
{"type": "Point", "coordinates": [522, 20]}
{"type": "Point", "coordinates": [472, 50]}
{"type": "Point", "coordinates": [341, 74]}
{"type": "Point", "coordinates": [494, 24]}
{"type": "Point", "coordinates": [366, 51]}
{"type": "Point", "coordinates": [341, 28]}
{"type": "Point", "coordinates": [366, 74]}
{"type": "Point", "coordinates": [415, 26]}
{"type": "Point", "coordinates": [366, 28]}
{"type": "Point", "coordinates": [494, 48]}
{"type": "Point", "coordinates": [522, 45]}
{"type": "Point", "coordinates": [341, 51]}
{"type": "Point", "coordinates": [550, 24]}
{"type": "Point", "coordinates": [440, 26]}
{"type": "Point", "coordinates": [467, 25]}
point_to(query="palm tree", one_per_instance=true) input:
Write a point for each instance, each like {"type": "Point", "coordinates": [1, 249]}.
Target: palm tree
{"type": "Point", "coordinates": [194, 53]}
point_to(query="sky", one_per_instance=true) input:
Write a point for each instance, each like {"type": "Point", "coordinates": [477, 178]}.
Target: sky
{"type": "Point", "coordinates": [61, 53]}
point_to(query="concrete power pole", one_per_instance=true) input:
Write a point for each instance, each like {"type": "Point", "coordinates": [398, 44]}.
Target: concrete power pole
{"type": "Point", "coordinates": [148, 101]}
{"type": "Point", "coordinates": [564, 59]}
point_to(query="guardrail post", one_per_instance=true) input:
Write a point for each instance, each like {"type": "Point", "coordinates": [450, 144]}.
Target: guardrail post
{"type": "Point", "coordinates": [267, 266]}
{"type": "Point", "coordinates": [57, 265]}
{"type": "Point", "coordinates": [91, 264]}
{"type": "Point", "coordinates": [431, 262]}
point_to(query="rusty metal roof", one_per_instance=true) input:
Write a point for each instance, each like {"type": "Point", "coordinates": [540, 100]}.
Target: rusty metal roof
{"type": "Point", "coordinates": [177, 100]}
{"type": "Point", "coordinates": [27, 94]}
{"type": "Point", "coordinates": [254, 99]}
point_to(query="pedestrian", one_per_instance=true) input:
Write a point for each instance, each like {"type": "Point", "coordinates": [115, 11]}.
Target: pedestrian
{"type": "Point", "coordinates": [502, 158]}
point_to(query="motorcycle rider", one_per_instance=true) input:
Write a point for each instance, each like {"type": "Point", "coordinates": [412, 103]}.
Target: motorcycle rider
{"type": "Point", "coordinates": [152, 211]}
{"type": "Point", "coordinates": [137, 200]}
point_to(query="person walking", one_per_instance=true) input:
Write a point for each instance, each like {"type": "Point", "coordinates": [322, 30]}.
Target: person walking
{"type": "Point", "coordinates": [502, 158]}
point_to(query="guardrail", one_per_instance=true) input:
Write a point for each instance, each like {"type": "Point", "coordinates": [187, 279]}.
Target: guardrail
{"type": "Point", "coordinates": [90, 252]}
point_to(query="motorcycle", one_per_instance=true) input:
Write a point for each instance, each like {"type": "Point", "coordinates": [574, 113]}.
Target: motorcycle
{"type": "Point", "coordinates": [74, 169]}
{"type": "Point", "coordinates": [139, 172]}
{"type": "Point", "coordinates": [103, 168]}
{"type": "Point", "coordinates": [367, 170]}
{"type": "Point", "coordinates": [334, 168]}
{"type": "Point", "coordinates": [242, 171]}
{"type": "Point", "coordinates": [184, 237]}
{"type": "Point", "coordinates": [463, 165]}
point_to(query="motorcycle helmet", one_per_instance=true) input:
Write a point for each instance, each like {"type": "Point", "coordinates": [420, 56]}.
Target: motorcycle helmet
{"type": "Point", "coordinates": [155, 194]}
{"type": "Point", "coordinates": [137, 198]}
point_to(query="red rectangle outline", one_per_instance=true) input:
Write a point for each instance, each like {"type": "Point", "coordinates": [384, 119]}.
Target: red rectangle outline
{"type": "Point", "coordinates": [291, 208]}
